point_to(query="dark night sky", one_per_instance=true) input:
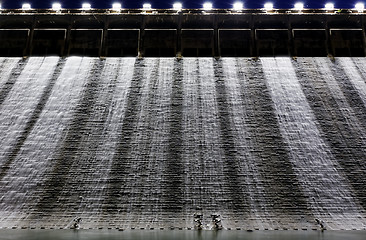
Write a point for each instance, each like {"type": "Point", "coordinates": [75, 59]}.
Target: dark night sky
{"type": "Point", "coordinates": [9, 4]}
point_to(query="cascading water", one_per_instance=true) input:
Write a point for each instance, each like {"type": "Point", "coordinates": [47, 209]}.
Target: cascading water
{"type": "Point", "coordinates": [146, 143]}
{"type": "Point", "coordinates": [235, 116]}
{"type": "Point", "coordinates": [21, 98]}
{"type": "Point", "coordinates": [33, 164]}
{"type": "Point", "coordinates": [7, 65]}
{"type": "Point", "coordinates": [357, 80]}
{"type": "Point", "coordinates": [316, 167]}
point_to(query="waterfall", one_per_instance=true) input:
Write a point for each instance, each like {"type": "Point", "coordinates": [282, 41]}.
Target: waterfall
{"type": "Point", "coordinates": [268, 143]}
{"type": "Point", "coordinates": [354, 75]}
{"type": "Point", "coordinates": [205, 180]}
{"type": "Point", "coordinates": [22, 98]}
{"type": "Point", "coordinates": [6, 67]}
{"type": "Point", "coordinates": [33, 163]}
{"type": "Point", "coordinates": [328, 193]}
{"type": "Point", "coordinates": [247, 163]}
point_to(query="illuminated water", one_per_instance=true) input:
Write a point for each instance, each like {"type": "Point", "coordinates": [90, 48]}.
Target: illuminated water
{"type": "Point", "coordinates": [142, 143]}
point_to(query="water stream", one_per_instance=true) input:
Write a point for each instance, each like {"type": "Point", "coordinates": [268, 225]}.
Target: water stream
{"type": "Point", "coordinates": [145, 143]}
{"type": "Point", "coordinates": [328, 191]}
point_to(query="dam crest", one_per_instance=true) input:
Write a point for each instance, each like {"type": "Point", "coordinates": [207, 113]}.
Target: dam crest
{"type": "Point", "coordinates": [188, 33]}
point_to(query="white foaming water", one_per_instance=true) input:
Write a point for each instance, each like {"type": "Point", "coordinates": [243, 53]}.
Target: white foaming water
{"type": "Point", "coordinates": [121, 70]}
{"type": "Point", "coordinates": [323, 70]}
{"type": "Point", "coordinates": [28, 169]}
{"type": "Point", "coordinates": [115, 79]}
{"type": "Point", "coordinates": [360, 63]}
{"type": "Point", "coordinates": [328, 193]}
{"type": "Point", "coordinates": [202, 154]}
{"type": "Point", "coordinates": [206, 179]}
{"type": "Point", "coordinates": [6, 67]}
{"type": "Point", "coordinates": [21, 101]}
{"type": "Point", "coordinates": [243, 145]}
{"type": "Point", "coordinates": [357, 80]}
{"type": "Point", "coordinates": [148, 152]}
{"type": "Point", "coordinates": [154, 112]}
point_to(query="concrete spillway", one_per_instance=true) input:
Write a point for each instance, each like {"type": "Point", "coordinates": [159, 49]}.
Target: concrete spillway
{"type": "Point", "coordinates": [269, 143]}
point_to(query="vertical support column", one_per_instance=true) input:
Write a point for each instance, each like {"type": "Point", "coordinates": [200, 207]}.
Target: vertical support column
{"type": "Point", "coordinates": [28, 48]}
{"type": "Point", "coordinates": [179, 36]}
{"type": "Point", "coordinates": [363, 33]}
{"type": "Point", "coordinates": [103, 46]}
{"type": "Point", "coordinates": [291, 48]}
{"type": "Point", "coordinates": [328, 41]}
{"type": "Point", "coordinates": [141, 49]}
{"type": "Point", "coordinates": [253, 44]}
{"type": "Point", "coordinates": [67, 39]}
{"type": "Point", "coordinates": [217, 52]}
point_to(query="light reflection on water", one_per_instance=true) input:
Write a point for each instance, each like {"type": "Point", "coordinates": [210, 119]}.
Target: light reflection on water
{"type": "Point", "coordinates": [178, 235]}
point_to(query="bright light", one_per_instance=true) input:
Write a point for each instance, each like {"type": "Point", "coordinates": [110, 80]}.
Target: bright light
{"type": "Point", "coordinates": [26, 6]}
{"type": "Point", "coordinates": [207, 6]}
{"type": "Point", "coordinates": [329, 6]}
{"type": "Point", "coordinates": [360, 7]}
{"type": "Point", "coordinates": [268, 6]}
{"type": "Point", "coordinates": [177, 6]}
{"type": "Point", "coordinates": [56, 6]}
{"type": "Point", "coordinates": [146, 6]}
{"type": "Point", "coordinates": [116, 6]}
{"type": "Point", "coordinates": [86, 6]}
{"type": "Point", "coordinates": [238, 6]}
{"type": "Point", "coordinates": [299, 6]}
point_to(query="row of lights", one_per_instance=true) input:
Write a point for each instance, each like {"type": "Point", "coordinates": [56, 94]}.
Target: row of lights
{"type": "Point", "coordinates": [328, 6]}
{"type": "Point", "coordinates": [206, 6]}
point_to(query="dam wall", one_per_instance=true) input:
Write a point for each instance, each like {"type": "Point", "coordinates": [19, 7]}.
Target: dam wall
{"type": "Point", "coordinates": [140, 119]}
{"type": "Point", "coordinates": [188, 33]}
{"type": "Point", "coordinates": [145, 143]}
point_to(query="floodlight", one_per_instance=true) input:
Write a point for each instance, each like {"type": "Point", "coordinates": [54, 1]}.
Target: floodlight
{"type": "Point", "coordinates": [207, 6]}
{"type": "Point", "coordinates": [268, 6]}
{"type": "Point", "coordinates": [360, 7]}
{"type": "Point", "coordinates": [86, 6]}
{"type": "Point", "coordinates": [56, 6]}
{"type": "Point", "coordinates": [329, 6]}
{"type": "Point", "coordinates": [146, 6]}
{"type": "Point", "coordinates": [116, 6]}
{"type": "Point", "coordinates": [26, 6]}
{"type": "Point", "coordinates": [238, 6]}
{"type": "Point", "coordinates": [299, 6]}
{"type": "Point", "coordinates": [177, 6]}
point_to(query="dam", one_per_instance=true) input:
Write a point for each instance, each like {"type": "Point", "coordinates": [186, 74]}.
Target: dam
{"type": "Point", "coordinates": [138, 120]}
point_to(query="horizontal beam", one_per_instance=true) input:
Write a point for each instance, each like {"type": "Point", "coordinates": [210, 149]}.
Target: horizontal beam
{"type": "Point", "coordinates": [183, 34]}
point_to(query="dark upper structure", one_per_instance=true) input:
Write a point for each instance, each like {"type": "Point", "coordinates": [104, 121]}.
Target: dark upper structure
{"type": "Point", "coordinates": [190, 33]}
